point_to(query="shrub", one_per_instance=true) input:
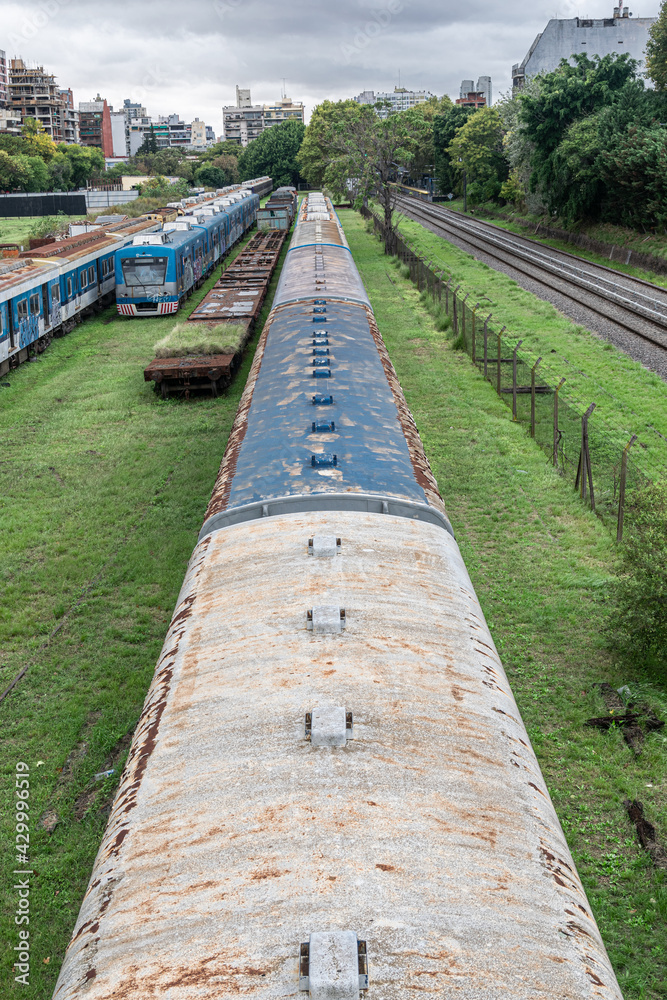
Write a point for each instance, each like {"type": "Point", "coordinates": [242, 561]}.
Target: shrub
{"type": "Point", "coordinates": [638, 620]}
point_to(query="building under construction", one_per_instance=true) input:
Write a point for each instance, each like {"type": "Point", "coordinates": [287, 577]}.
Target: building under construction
{"type": "Point", "coordinates": [33, 93]}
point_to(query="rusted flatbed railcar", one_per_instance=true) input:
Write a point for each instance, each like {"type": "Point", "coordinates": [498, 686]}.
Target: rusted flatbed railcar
{"type": "Point", "coordinates": [185, 376]}
{"type": "Point", "coordinates": [236, 299]}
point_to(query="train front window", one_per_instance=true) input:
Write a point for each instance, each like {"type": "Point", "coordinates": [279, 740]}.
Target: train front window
{"type": "Point", "coordinates": [144, 271]}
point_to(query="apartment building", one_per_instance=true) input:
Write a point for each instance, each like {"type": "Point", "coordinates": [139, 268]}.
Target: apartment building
{"type": "Point", "coordinates": [400, 99]}
{"type": "Point", "coordinates": [246, 121]}
{"type": "Point", "coordinates": [95, 125]}
{"type": "Point", "coordinates": [4, 80]}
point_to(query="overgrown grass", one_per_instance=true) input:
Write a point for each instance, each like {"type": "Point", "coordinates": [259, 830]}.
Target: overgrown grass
{"type": "Point", "coordinates": [200, 338]}
{"type": "Point", "coordinates": [629, 398]}
{"type": "Point", "coordinates": [541, 565]}
{"type": "Point", "coordinates": [102, 493]}
{"type": "Point", "coordinates": [19, 230]}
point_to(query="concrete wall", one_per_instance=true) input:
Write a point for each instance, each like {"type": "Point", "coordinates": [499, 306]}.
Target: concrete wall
{"type": "Point", "coordinates": [562, 39]}
{"type": "Point", "coordinates": [105, 199]}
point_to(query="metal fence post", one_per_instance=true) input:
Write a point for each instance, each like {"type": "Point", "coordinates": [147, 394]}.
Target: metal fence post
{"type": "Point", "coordinates": [514, 379]}
{"type": "Point", "coordinates": [532, 397]}
{"type": "Point", "coordinates": [474, 344]}
{"type": "Point", "coordinates": [621, 491]}
{"type": "Point", "coordinates": [584, 472]}
{"type": "Point", "coordinates": [500, 346]}
{"type": "Point", "coordinates": [555, 452]}
{"type": "Point", "coordinates": [486, 343]}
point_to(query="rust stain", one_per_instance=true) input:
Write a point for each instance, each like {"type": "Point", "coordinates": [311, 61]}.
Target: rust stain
{"type": "Point", "coordinates": [223, 484]}
{"type": "Point", "coordinates": [420, 464]}
{"type": "Point", "coordinates": [386, 868]}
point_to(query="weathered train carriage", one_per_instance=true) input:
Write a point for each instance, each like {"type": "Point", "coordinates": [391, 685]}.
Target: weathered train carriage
{"type": "Point", "coordinates": [260, 186]}
{"type": "Point", "coordinates": [330, 789]}
{"type": "Point", "coordinates": [158, 271]}
{"type": "Point", "coordinates": [29, 308]}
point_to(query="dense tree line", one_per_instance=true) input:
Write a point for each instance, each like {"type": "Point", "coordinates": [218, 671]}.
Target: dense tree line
{"type": "Point", "coordinates": [587, 142]}
{"type": "Point", "coordinates": [31, 161]}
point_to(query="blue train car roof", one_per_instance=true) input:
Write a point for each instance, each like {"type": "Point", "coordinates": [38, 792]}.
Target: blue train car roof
{"type": "Point", "coordinates": [281, 455]}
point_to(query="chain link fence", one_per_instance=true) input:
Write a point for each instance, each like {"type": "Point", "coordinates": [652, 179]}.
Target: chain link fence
{"type": "Point", "coordinates": [606, 463]}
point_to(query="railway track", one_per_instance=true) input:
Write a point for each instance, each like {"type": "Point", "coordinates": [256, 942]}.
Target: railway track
{"type": "Point", "coordinates": [636, 306]}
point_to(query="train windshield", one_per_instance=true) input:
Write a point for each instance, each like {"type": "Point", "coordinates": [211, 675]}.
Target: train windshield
{"type": "Point", "coordinates": [144, 271]}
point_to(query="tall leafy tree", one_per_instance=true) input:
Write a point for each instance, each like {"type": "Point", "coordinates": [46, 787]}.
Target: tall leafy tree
{"type": "Point", "coordinates": [656, 50]}
{"type": "Point", "coordinates": [274, 154]}
{"type": "Point", "coordinates": [477, 149]}
{"type": "Point", "coordinates": [211, 177]}
{"type": "Point", "coordinates": [36, 140]}
{"type": "Point", "coordinates": [445, 126]}
{"type": "Point", "coordinates": [565, 96]}
{"type": "Point", "coordinates": [149, 145]}
{"type": "Point", "coordinates": [316, 153]}
{"type": "Point", "coordinates": [85, 161]}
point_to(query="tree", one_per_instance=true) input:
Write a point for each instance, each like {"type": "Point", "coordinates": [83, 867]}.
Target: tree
{"type": "Point", "coordinates": [36, 140]}
{"type": "Point", "coordinates": [354, 153]}
{"type": "Point", "coordinates": [230, 165]}
{"type": "Point", "coordinates": [210, 177]}
{"type": "Point", "coordinates": [445, 126]}
{"type": "Point", "coordinates": [315, 155]}
{"type": "Point", "coordinates": [636, 171]}
{"type": "Point", "coordinates": [60, 173]}
{"type": "Point", "coordinates": [656, 50]}
{"type": "Point", "coordinates": [424, 157]}
{"type": "Point", "coordinates": [565, 96]}
{"type": "Point", "coordinates": [85, 161]}
{"type": "Point", "coordinates": [477, 149]}
{"type": "Point", "coordinates": [14, 172]}
{"type": "Point", "coordinates": [149, 145]}
{"type": "Point", "coordinates": [38, 176]}
{"type": "Point", "coordinates": [274, 154]}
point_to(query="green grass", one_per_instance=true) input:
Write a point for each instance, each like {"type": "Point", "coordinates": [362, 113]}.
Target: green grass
{"type": "Point", "coordinates": [540, 563]}
{"type": "Point", "coordinates": [613, 235]}
{"type": "Point", "coordinates": [18, 230]}
{"type": "Point", "coordinates": [103, 490]}
{"type": "Point", "coordinates": [629, 398]}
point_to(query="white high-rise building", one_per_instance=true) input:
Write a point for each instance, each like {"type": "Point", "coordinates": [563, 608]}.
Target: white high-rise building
{"type": "Point", "coordinates": [602, 36]}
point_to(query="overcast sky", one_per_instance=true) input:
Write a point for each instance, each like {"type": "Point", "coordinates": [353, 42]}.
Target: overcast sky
{"type": "Point", "coordinates": [187, 56]}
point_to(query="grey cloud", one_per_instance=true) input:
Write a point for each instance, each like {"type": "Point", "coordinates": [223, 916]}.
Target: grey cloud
{"type": "Point", "coordinates": [187, 57]}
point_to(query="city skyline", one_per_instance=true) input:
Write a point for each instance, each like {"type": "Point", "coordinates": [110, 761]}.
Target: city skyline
{"type": "Point", "coordinates": [145, 52]}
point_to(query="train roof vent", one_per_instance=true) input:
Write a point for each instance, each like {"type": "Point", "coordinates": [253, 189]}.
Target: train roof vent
{"type": "Point", "coordinates": [326, 619]}
{"type": "Point", "coordinates": [178, 226]}
{"type": "Point", "coordinates": [333, 965]}
{"type": "Point", "coordinates": [151, 239]}
{"type": "Point", "coordinates": [323, 546]}
{"type": "Point", "coordinates": [329, 726]}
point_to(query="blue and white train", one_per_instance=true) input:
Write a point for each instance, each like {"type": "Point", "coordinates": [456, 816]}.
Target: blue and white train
{"type": "Point", "coordinates": [158, 271]}
{"type": "Point", "coordinates": [44, 293]}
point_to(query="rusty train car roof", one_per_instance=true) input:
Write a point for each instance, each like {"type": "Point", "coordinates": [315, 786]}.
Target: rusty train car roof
{"type": "Point", "coordinates": [79, 246]}
{"type": "Point", "coordinates": [418, 823]}
{"type": "Point", "coordinates": [430, 834]}
{"type": "Point", "coordinates": [15, 271]}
